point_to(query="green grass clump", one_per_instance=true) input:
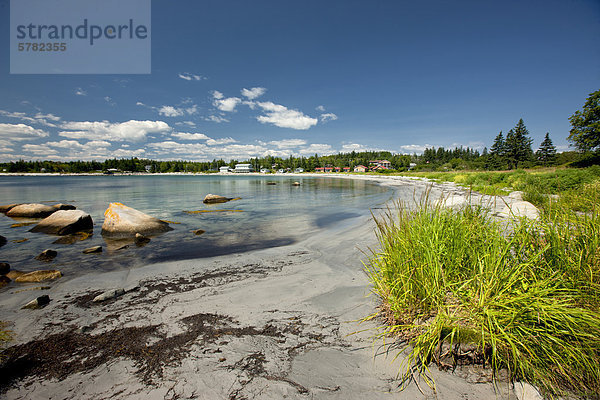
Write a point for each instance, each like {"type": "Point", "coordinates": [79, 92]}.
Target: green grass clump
{"type": "Point", "coordinates": [528, 301]}
{"type": "Point", "coordinates": [5, 337]}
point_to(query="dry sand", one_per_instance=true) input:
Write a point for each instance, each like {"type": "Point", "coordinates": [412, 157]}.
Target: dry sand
{"type": "Point", "coordinates": [270, 324]}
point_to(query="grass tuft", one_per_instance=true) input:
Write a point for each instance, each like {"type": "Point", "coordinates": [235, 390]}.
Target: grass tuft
{"type": "Point", "coordinates": [527, 301]}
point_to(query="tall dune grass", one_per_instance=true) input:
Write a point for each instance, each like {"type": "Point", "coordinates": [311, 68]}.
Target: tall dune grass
{"type": "Point", "coordinates": [527, 301]}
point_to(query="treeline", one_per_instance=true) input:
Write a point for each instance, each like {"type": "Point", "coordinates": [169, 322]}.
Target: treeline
{"type": "Point", "coordinates": [507, 152]}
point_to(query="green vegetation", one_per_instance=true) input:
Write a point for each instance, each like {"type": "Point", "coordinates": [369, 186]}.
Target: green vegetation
{"type": "Point", "coordinates": [585, 133]}
{"type": "Point", "coordinates": [5, 337]}
{"type": "Point", "coordinates": [526, 298]}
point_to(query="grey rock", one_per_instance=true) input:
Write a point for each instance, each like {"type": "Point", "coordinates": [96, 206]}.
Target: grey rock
{"type": "Point", "coordinates": [46, 255]}
{"type": "Point", "coordinates": [7, 207]}
{"type": "Point", "coordinates": [94, 249]}
{"type": "Point", "coordinates": [37, 303]}
{"type": "Point", "coordinates": [517, 195]}
{"type": "Point", "coordinates": [2, 240]}
{"type": "Point", "coordinates": [525, 391]}
{"type": "Point", "coordinates": [109, 294]}
{"type": "Point", "coordinates": [215, 198]}
{"type": "Point", "coordinates": [65, 222]}
{"type": "Point", "coordinates": [32, 210]}
{"type": "Point", "coordinates": [123, 221]}
{"type": "Point", "coordinates": [141, 240]}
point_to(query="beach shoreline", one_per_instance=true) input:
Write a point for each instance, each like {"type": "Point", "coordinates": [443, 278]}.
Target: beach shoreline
{"type": "Point", "coordinates": [263, 324]}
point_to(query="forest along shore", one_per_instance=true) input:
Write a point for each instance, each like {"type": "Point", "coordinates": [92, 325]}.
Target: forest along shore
{"type": "Point", "coordinates": [269, 323]}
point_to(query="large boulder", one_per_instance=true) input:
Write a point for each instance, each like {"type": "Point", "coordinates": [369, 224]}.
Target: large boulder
{"type": "Point", "coordinates": [4, 268]}
{"type": "Point", "coordinates": [32, 210]}
{"type": "Point", "coordinates": [123, 221]}
{"type": "Point", "coordinates": [215, 198]}
{"type": "Point", "coordinates": [6, 208]}
{"type": "Point", "coordinates": [39, 276]}
{"type": "Point", "coordinates": [38, 302]}
{"type": "Point", "coordinates": [47, 255]}
{"type": "Point", "coordinates": [65, 222]}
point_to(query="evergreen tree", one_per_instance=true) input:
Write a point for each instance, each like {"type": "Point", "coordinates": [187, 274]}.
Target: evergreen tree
{"type": "Point", "coordinates": [546, 154]}
{"type": "Point", "coordinates": [518, 145]}
{"type": "Point", "coordinates": [585, 133]}
{"type": "Point", "coordinates": [497, 153]}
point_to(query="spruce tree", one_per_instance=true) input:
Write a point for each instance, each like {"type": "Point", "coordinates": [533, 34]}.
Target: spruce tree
{"type": "Point", "coordinates": [546, 154]}
{"type": "Point", "coordinates": [518, 145]}
{"type": "Point", "coordinates": [497, 151]}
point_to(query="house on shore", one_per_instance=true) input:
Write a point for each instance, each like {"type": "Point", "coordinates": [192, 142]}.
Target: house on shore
{"type": "Point", "coordinates": [243, 168]}
{"type": "Point", "coordinates": [360, 168]}
{"type": "Point", "coordinates": [224, 169]}
{"type": "Point", "coordinates": [319, 169]}
{"type": "Point", "coordinates": [346, 169]}
{"type": "Point", "coordinates": [375, 165]}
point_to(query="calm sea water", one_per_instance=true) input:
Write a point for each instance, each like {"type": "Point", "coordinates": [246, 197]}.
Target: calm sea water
{"type": "Point", "coordinates": [271, 215]}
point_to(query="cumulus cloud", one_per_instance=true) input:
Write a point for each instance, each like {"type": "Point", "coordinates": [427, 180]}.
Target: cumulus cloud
{"type": "Point", "coordinates": [190, 136]}
{"type": "Point", "coordinates": [349, 147]}
{"type": "Point", "coordinates": [414, 148]}
{"type": "Point", "coordinates": [80, 92]}
{"type": "Point", "coordinates": [253, 93]}
{"type": "Point", "coordinates": [190, 77]}
{"type": "Point", "coordinates": [228, 104]}
{"type": "Point", "coordinates": [39, 149]}
{"type": "Point", "coordinates": [328, 117]}
{"type": "Point", "coordinates": [20, 132]}
{"type": "Point", "coordinates": [320, 108]}
{"type": "Point", "coordinates": [132, 131]}
{"type": "Point", "coordinates": [217, 95]}
{"type": "Point", "coordinates": [187, 123]}
{"type": "Point", "coordinates": [283, 117]}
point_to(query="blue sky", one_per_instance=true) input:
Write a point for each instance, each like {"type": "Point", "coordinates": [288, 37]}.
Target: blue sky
{"type": "Point", "coordinates": [236, 79]}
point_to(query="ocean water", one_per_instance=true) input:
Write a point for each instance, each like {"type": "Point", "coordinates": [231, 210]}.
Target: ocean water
{"type": "Point", "coordinates": [267, 216]}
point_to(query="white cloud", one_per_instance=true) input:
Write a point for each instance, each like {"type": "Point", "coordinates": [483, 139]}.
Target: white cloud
{"type": "Point", "coordinates": [20, 132]}
{"type": "Point", "coordinates": [187, 123]}
{"type": "Point", "coordinates": [128, 153]}
{"type": "Point", "coordinates": [216, 118]}
{"type": "Point", "coordinates": [39, 149]}
{"type": "Point", "coordinates": [170, 111]}
{"type": "Point", "coordinates": [131, 131]}
{"type": "Point", "coordinates": [191, 77]}
{"type": "Point", "coordinates": [350, 147]}
{"type": "Point", "coordinates": [109, 100]}
{"type": "Point", "coordinates": [190, 136]}
{"type": "Point", "coordinates": [212, 142]}
{"type": "Point", "coordinates": [328, 117]}
{"type": "Point", "coordinates": [228, 104]}
{"type": "Point", "coordinates": [320, 108]}
{"type": "Point", "coordinates": [217, 95]}
{"type": "Point", "coordinates": [80, 92]}
{"type": "Point", "coordinates": [318, 148]}
{"type": "Point", "coordinates": [253, 93]}
{"type": "Point", "coordinates": [39, 118]}
{"type": "Point", "coordinates": [414, 148]}
{"type": "Point", "coordinates": [283, 117]}
{"type": "Point", "coordinates": [287, 143]}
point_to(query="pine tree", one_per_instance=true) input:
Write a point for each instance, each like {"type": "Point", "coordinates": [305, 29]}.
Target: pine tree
{"type": "Point", "coordinates": [546, 154]}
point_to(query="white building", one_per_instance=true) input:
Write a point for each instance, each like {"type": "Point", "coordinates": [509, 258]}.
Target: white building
{"type": "Point", "coordinates": [243, 168]}
{"type": "Point", "coordinates": [224, 169]}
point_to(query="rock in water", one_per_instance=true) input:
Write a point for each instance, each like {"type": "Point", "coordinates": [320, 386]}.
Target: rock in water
{"type": "Point", "coordinates": [4, 268]}
{"type": "Point", "coordinates": [109, 294]}
{"type": "Point", "coordinates": [141, 240]}
{"type": "Point", "coordinates": [215, 198]}
{"type": "Point", "coordinates": [39, 276]}
{"type": "Point", "coordinates": [199, 231]}
{"type": "Point", "coordinates": [2, 240]}
{"type": "Point", "coordinates": [65, 222]}
{"type": "Point", "coordinates": [61, 206]}
{"type": "Point", "coordinates": [46, 255]}
{"type": "Point", "coordinates": [296, 183]}
{"type": "Point", "coordinates": [38, 303]}
{"type": "Point", "coordinates": [95, 249]}
{"type": "Point", "coordinates": [124, 221]}
{"type": "Point", "coordinates": [32, 210]}
{"type": "Point", "coordinates": [14, 274]}
{"type": "Point", "coordinates": [6, 208]}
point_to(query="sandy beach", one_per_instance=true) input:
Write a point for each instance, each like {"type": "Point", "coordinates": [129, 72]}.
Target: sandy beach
{"type": "Point", "coordinates": [268, 324]}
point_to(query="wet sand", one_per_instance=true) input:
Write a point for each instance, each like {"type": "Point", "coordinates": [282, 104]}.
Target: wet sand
{"type": "Point", "coordinates": [268, 324]}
